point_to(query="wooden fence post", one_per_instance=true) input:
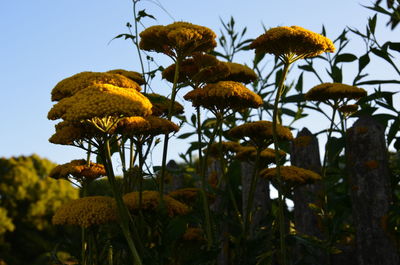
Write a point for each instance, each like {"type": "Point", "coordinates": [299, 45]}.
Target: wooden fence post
{"type": "Point", "coordinates": [367, 161]}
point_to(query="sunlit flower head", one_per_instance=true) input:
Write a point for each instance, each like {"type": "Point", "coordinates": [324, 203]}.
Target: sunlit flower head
{"type": "Point", "coordinates": [292, 42]}
{"type": "Point", "coordinates": [71, 85]}
{"type": "Point", "coordinates": [240, 73]}
{"type": "Point", "coordinates": [161, 105]}
{"type": "Point", "coordinates": [334, 91]}
{"type": "Point", "coordinates": [78, 169]}
{"type": "Point", "coordinates": [291, 174]}
{"type": "Point", "coordinates": [199, 69]}
{"type": "Point", "coordinates": [249, 153]}
{"type": "Point", "coordinates": [151, 202]}
{"type": "Point", "coordinates": [86, 212]}
{"type": "Point", "coordinates": [132, 75]}
{"type": "Point", "coordinates": [99, 101]}
{"type": "Point", "coordinates": [224, 95]}
{"type": "Point", "coordinates": [260, 132]}
{"type": "Point", "coordinates": [147, 126]}
{"type": "Point", "coordinates": [179, 39]}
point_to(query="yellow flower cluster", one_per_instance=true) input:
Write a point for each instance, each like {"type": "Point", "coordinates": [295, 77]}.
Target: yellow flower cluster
{"type": "Point", "coordinates": [227, 147]}
{"type": "Point", "coordinates": [71, 85]}
{"type": "Point", "coordinates": [188, 195]}
{"type": "Point", "coordinates": [150, 125]}
{"type": "Point", "coordinates": [179, 39]}
{"type": "Point", "coordinates": [334, 91]}
{"type": "Point", "coordinates": [289, 41]}
{"type": "Point", "coordinates": [161, 105]}
{"type": "Point", "coordinates": [193, 234]}
{"type": "Point", "coordinates": [151, 201]}
{"type": "Point", "coordinates": [78, 169]}
{"type": "Point", "coordinates": [224, 95]}
{"type": "Point", "coordinates": [348, 109]}
{"type": "Point", "coordinates": [260, 132]}
{"type": "Point", "coordinates": [200, 69]}
{"type": "Point", "coordinates": [86, 212]}
{"type": "Point", "coordinates": [249, 153]}
{"type": "Point", "coordinates": [291, 174]}
{"type": "Point", "coordinates": [132, 75]}
{"type": "Point", "coordinates": [240, 73]}
{"type": "Point", "coordinates": [68, 132]}
{"type": "Point", "coordinates": [98, 101]}
{"type": "Point", "coordinates": [6, 223]}
{"type": "Point", "coordinates": [302, 141]}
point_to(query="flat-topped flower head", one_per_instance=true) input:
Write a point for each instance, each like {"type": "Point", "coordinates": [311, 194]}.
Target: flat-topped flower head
{"type": "Point", "coordinates": [240, 73]}
{"type": "Point", "coordinates": [199, 69]}
{"type": "Point", "coordinates": [69, 133]}
{"type": "Point", "coordinates": [249, 153]}
{"type": "Point", "coordinates": [179, 39]}
{"type": "Point", "coordinates": [87, 212]}
{"type": "Point", "coordinates": [224, 95]}
{"type": "Point", "coordinates": [227, 147]}
{"type": "Point", "coordinates": [151, 202]}
{"type": "Point", "coordinates": [71, 85]}
{"type": "Point", "coordinates": [100, 101]}
{"type": "Point", "coordinates": [145, 126]}
{"type": "Point", "coordinates": [132, 75]}
{"type": "Point", "coordinates": [349, 109]}
{"type": "Point", "coordinates": [79, 170]}
{"type": "Point", "coordinates": [291, 174]}
{"type": "Point", "coordinates": [334, 91]}
{"type": "Point", "coordinates": [161, 105]}
{"type": "Point", "coordinates": [260, 132]}
{"type": "Point", "coordinates": [292, 42]}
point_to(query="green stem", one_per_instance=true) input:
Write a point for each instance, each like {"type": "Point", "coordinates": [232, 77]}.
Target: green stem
{"type": "Point", "coordinates": [199, 137]}
{"type": "Point", "coordinates": [136, 42]}
{"type": "Point", "coordinates": [275, 122]}
{"type": "Point", "coordinates": [121, 207]}
{"type": "Point", "coordinates": [166, 136]}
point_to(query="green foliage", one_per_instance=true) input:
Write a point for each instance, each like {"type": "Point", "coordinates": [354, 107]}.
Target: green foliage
{"type": "Point", "coordinates": [28, 201]}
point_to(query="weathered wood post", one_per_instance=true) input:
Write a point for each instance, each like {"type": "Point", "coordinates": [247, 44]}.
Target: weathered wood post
{"type": "Point", "coordinates": [262, 200]}
{"type": "Point", "coordinates": [305, 154]}
{"type": "Point", "coordinates": [367, 161]}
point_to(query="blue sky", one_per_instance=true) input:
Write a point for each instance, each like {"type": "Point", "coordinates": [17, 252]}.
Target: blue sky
{"type": "Point", "coordinates": [44, 41]}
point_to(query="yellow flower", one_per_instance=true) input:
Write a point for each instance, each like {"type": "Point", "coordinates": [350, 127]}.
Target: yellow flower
{"type": "Point", "coordinates": [71, 85]}
{"type": "Point", "coordinates": [260, 132]}
{"type": "Point", "coordinates": [200, 69]}
{"type": "Point", "coordinates": [292, 41]}
{"type": "Point", "coordinates": [240, 73]}
{"type": "Point", "coordinates": [68, 132]}
{"type": "Point", "coordinates": [132, 75]}
{"type": "Point", "coordinates": [86, 212]}
{"type": "Point", "coordinates": [248, 153]}
{"type": "Point", "coordinates": [150, 125]}
{"type": "Point", "coordinates": [194, 234]}
{"type": "Point", "coordinates": [179, 39]}
{"type": "Point", "coordinates": [334, 91]}
{"type": "Point", "coordinates": [224, 95]}
{"type": "Point", "coordinates": [291, 174]}
{"type": "Point", "coordinates": [99, 101]}
{"type": "Point", "coordinates": [213, 150]}
{"type": "Point", "coordinates": [151, 201]}
{"type": "Point", "coordinates": [78, 169]}
{"type": "Point", "coordinates": [161, 105]}
{"type": "Point", "coordinates": [302, 141]}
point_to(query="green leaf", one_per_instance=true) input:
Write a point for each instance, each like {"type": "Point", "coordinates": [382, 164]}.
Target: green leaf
{"type": "Point", "coordinates": [299, 85]}
{"type": "Point", "coordinates": [294, 99]}
{"type": "Point", "coordinates": [383, 54]}
{"type": "Point", "coordinates": [372, 24]}
{"type": "Point", "coordinates": [142, 13]}
{"type": "Point", "coordinates": [345, 58]}
{"type": "Point", "coordinates": [394, 128]}
{"type": "Point", "coordinates": [378, 82]}
{"type": "Point", "coordinates": [336, 74]}
{"type": "Point", "coordinates": [395, 46]}
{"type": "Point", "coordinates": [363, 61]}
{"type": "Point", "coordinates": [185, 135]}
{"type": "Point", "coordinates": [307, 68]}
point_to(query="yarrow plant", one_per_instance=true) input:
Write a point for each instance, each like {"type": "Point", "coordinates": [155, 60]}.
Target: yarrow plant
{"type": "Point", "coordinates": [213, 209]}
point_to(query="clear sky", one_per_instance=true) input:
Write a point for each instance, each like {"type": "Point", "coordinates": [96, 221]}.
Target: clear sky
{"type": "Point", "coordinates": [45, 41]}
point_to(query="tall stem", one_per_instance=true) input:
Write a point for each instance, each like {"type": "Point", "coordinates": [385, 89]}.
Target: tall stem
{"type": "Point", "coordinates": [166, 136]}
{"type": "Point", "coordinates": [121, 207]}
{"type": "Point", "coordinates": [275, 122]}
